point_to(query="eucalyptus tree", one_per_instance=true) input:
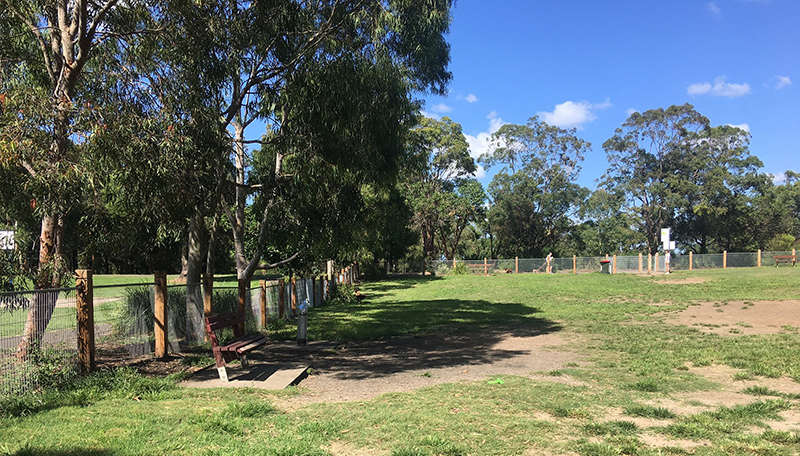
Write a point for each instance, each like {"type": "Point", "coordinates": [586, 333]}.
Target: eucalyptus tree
{"type": "Point", "coordinates": [645, 156]}
{"type": "Point", "coordinates": [534, 193]}
{"type": "Point", "coordinates": [439, 164]}
{"type": "Point", "coordinates": [718, 181]}
{"type": "Point", "coordinates": [47, 48]}
{"type": "Point", "coordinates": [259, 47]}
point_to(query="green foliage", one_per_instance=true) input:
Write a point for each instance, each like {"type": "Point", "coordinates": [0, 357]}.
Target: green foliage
{"type": "Point", "coordinates": [106, 384]}
{"type": "Point", "coordinates": [460, 268]}
{"type": "Point", "coordinates": [344, 293]}
{"type": "Point", "coordinates": [438, 187]}
{"type": "Point", "coordinates": [780, 243]}
{"type": "Point", "coordinates": [534, 193]}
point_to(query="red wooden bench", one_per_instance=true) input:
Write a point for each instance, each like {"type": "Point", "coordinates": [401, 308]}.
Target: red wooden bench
{"type": "Point", "coordinates": [237, 348]}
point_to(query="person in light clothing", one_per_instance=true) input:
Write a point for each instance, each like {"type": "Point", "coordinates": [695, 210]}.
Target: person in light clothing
{"type": "Point", "coordinates": [666, 261]}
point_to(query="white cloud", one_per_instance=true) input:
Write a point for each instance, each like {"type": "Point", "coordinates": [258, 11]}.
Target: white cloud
{"type": "Point", "coordinates": [779, 178]}
{"type": "Point", "coordinates": [743, 126]}
{"type": "Point", "coordinates": [480, 144]}
{"type": "Point", "coordinates": [441, 108]}
{"type": "Point", "coordinates": [782, 81]}
{"type": "Point", "coordinates": [471, 98]}
{"type": "Point", "coordinates": [720, 88]}
{"type": "Point", "coordinates": [571, 114]}
{"type": "Point", "coordinates": [429, 115]}
{"type": "Point", "coordinates": [630, 111]}
{"type": "Point", "coordinates": [712, 7]}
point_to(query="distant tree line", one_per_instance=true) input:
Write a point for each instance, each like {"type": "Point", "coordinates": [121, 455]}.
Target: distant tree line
{"type": "Point", "coordinates": [668, 168]}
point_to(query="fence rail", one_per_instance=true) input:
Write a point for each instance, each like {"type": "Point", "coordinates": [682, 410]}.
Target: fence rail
{"type": "Point", "coordinates": [641, 263]}
{"type": "Point", "coordinates": [76, 330]}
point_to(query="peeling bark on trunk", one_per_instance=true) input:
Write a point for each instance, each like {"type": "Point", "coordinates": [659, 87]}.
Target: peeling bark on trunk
{"type": "Point", "coordinates": [195, 330]}
{"type": "Point", "coordinates": [43, 304]}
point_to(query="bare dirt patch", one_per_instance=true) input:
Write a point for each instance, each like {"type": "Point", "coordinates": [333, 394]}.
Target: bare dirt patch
{"type": "Point", "coordinates": [741, 317]}
{"type": "Point", "coordinates": [363, 370]}
{"type": "Point", "coordinates": [683, 281]}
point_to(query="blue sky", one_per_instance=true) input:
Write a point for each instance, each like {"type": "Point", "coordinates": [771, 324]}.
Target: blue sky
{"type": "Point", "coordinates": [587, 64]}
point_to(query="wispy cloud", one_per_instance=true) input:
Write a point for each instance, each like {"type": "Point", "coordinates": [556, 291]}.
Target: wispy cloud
{"type": "Point", "coordinates": [429, 115]}
{"type": "Point", "coordinates": [471, 98]}
{"type": "Point", "coordinates": [713, 7]}
{"type": "Point", "coordinates": [630, 111]}
{"type": "Point", "coordinates": [779, 178]}
{"type": "Point", "coordinates": [572, 114]}
{"type": "Point", "coordinates": [782, 81]}
{"type": "Point", "coordinates": [720, 88]}
{"type": "Point", "coordinates": [481, 143]}
{"type": "Point", "coordinates": [441, 108]}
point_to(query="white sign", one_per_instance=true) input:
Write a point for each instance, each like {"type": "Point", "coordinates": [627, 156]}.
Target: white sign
{"type": "Point", "coordinates": [672, 245]}
{"type": "Point", "coordinates": [7, 240]}
{"type": "Point", "coordinates": [665, 238]}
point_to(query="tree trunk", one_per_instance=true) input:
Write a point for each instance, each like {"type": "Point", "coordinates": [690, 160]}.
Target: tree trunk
{"type": "Point", "coordinates": [195, 329]}
{"type": "Point", "coordinates": [43, 303]}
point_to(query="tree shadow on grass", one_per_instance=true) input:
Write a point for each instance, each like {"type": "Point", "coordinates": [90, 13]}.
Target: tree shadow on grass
{"type": "Point", "coordinates": [394, 337]}
{"type": "Point", "coordinates": [376, 289]}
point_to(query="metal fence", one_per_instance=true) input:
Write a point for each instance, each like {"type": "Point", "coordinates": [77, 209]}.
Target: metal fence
{"type": "Point", "coordinates": [123, 324]}
{"type": "Point", "coordinates": [38, 336]}
{"type": "Point", "coordinates": [640, 263]}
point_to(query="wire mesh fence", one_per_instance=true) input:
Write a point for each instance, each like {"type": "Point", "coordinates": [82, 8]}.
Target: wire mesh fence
{"type": "Point", "coordinates": [621, 263]}
{"type": "Point", "coordinates": [43, 344]}
{"type": "Point", "coordinates": [38, 340]}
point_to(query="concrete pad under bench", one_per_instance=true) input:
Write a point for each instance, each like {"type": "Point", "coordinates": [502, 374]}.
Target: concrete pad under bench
{"type": "Point", "coordinates": [262, 376]}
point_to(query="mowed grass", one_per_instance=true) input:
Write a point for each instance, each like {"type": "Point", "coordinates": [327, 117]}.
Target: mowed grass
{"type": "Point", "coordinates": [632, 358]}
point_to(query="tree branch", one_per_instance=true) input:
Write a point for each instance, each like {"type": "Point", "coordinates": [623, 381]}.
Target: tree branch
{"type": "Point", "coordinates": [282, 262]}
{"type": "Point", "coordinates": [42, 44]}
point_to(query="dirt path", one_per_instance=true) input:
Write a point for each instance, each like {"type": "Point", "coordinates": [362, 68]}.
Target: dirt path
{"type": "Point", "coordinates": [364, 370]}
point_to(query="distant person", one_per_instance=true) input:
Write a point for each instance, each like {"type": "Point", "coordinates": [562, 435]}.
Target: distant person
{"type": "Point", "coordinates": [666, 261]}
{"type": "Point", "coordinates": [550, 263]}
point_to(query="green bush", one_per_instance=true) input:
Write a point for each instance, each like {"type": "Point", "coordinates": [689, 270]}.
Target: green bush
{"type": "Point", "coordinates": [460, 269]}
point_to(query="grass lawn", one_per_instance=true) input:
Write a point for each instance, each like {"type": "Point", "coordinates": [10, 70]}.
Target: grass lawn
{"type": "Point", "coordinates": [634, 358]}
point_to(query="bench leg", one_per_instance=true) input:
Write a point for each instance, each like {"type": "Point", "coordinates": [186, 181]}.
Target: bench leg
{"type": "Point", "coordinates": [245, 363]}
{"type": "Point", "coordinates": [223, 373]}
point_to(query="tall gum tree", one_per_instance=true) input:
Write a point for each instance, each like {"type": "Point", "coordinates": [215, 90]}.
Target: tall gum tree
{"type": "Point", "coordinates": [259, 46]}
{"type": "Point", "coordinates": [534, 192]}
{"type": "Point", "coordinates": [439, 160]}
{"type": "Point", "coordinates": [60, 37]}
{"type": "Point", "coordinates": [643, 156]}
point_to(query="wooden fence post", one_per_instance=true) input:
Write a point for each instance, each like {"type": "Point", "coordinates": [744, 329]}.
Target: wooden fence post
{"type": "Point", "coordinates": [244, 289]}
{"type": "Point", "coordinates": [160, 312]}
{"type": "Point", "coordinates": [208, 294]}
{"type": "Point", "coordinates": [454, 261]}
{"type": "Point", "coordinates": [758, 260]}
{"type": "Point", "coordinates": [281, 297]}
{"type": "Point", "coordinates": [262, 302]}
{"type": "Point", "coordinates": [85, 316]}
{"type": "Point", "coordinates": [649, 262]}
{"type": "Point", "coordinates": [640, 262]}
{"type": "Point", "coordinates": [485, 266]}
{"type": "Point", "coordinates": [294, 295]}
{"type": "Point", "coordinates": [574, 264]}
{"type": "Point", "coordinates": [691, 261]}
{"type": "Point", "coordinates": [655, 261]}
{"type": "Point", "coordinates": [516, 265]}
{"type": "Point", "coordinates": [724, 259]}
{"type": "Point", "coordinates": [614, 269]}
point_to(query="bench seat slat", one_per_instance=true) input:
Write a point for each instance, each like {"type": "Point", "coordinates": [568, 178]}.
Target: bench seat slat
{"type": "Point", "coordinates": [242, 345]}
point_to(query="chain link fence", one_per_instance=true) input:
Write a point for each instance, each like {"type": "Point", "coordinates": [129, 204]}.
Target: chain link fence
{"type": "Point", "coordinates": [620, 264]}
